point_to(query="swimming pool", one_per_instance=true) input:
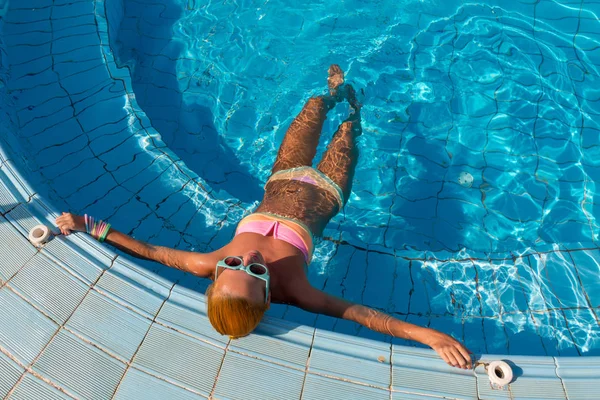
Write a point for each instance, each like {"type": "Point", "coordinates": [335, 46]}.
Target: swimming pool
{"type": "Point", "coordinates": [507, 94]}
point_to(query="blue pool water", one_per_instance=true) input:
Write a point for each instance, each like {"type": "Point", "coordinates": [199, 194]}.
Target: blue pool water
{"type": "Point", "coordinates": [508, 94]}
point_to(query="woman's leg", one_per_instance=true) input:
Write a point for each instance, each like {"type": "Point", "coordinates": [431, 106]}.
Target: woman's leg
{"type": "Point", "coordinates": [341, 156]}
{"type": "Point", "coordinates": [300, 143]}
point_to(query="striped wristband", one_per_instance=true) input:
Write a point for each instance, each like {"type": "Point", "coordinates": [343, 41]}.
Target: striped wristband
{"type": "Point", "coordinates": [98, 230]}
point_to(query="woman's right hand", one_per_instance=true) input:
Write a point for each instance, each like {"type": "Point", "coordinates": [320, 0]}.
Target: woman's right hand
{"type": "Point", "coordinates": [68, 222]}
{"type": "Point", "coordinates": [450, 349]}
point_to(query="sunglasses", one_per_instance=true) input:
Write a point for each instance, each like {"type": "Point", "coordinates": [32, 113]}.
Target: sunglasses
{"type": "Point", "coordinates": [257, 270]}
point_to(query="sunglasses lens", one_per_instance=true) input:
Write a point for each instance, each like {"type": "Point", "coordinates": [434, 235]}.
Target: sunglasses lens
{"type": "Point", "coordinates": [233, 261]}
{"type": "Point", "coordinates": [258, 269]}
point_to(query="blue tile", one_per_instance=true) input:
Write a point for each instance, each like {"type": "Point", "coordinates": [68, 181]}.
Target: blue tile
{"type": "Point", "coordinates": [79, 367]}
{"type": "Point", "coordinates": [284, 383]}
{"type": "Point", "coordinates": [94, 79]}
{"type": "Point", "coordinates": [107, 204]}
{"type": "Point", "coordinates": [129, 215]}
{"type": "Point", "coordinates": [561, 279]}
{"type": "Point", "coordinates": [319, 387]}
{"type": "Point", "coordinates": [143, 291]}
{"type": "Point", "coordinates": [583, 331]}
{"type": "Point", "coordinates": [28, 81]}
{"type": "Point", "coordinates": [107, 138]}
{"type": "Point", "coordinates": [84, 54]}
{"type": "Point", "coordinates": [95, 116]}
{"type": "Point", "coordinates": [57, 135]}
{"type": "Point", "coordinates": [151, 172]}
{"type": "Point", "coordinates": [357, 360]}
{"type": "Point", "coordinates": [579, 376]}
{"type": "Point", "coordinates": [587, 267]}
{"type": "Point", "coordinates": [10, 373]}
{"type": "Point", "coordinates": [72, 181]}
{"type": "Point", "coordinates": [15, 248]}
{"type": "Point", "coordinates": [278, 342]}
{"type": "Point", "coordinates": [50, 287]}
{"type": "Point", "coordinates": [109, 325]}
{"type": "Point", "coordinates": [38, 66]}
{"type": "Point", "coordinates": [148, 227]}
{"type": "Point", "coordinates": [41, 124]}
{"type": "Point", "coordinates": [419, 302]}
{"type": "Point", "coordinates": [17, 335]}
{"type": "Point", "coordinates": [496, 337]}
{"type": "Point", "coordinates": [32, 4]}
{"type": "Point", "coordinates": [69, 43]}
{"type": "Point", "coordinates": [58, 162]}
{"type": "Point", "coordinates": [421, 371]}
{"type": "Point", "coordinates": [91, 192]}
{"type": "Point", "coordinates": [71, 69]}
{"type": "Point", "coordinates": [74, 9]}
{"type": "Point", "coordinates": [88, 267]}
{"type": "Point", "coordinates": [524, 336]}
{"type": "Point", "coordinates": [23, 219]}
{"type": "Point", "coordinates": [26, 16]}
{"type": "Point", "coordinates": [474, 338]}
{"type": "Point", "coordinates": [185, 311]}
{"type": "Point", "coordinates": [535, 378]}
{"type": "Point", "coordinates": [153, 388]}
{"type": "Point", "coordinates": [16, 27]}
{"type": "Point", "coordinates": [79, 29]}
{"type": "Point", "coordinates": [174, 357]}
{"type": "Point", "coordinates": [379, 282]}
{"type": "Point", "coordinates": [33, 388]}
{"type": "Point", "coordinates": [402, 285]}
{"type": "Point", "coordinates": [153, 193]}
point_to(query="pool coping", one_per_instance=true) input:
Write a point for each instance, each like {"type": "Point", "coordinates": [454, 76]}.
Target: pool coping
{"type": "Point", "coordinates": [412, 371]}
{"type": "Point", "coordinates": [334, 362]}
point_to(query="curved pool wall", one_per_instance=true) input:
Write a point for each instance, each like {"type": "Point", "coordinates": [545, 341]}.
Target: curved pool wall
{"type": "Point", "coordinates": [58, 339]}
{"type": "Point", "coordinates": [92, 148]}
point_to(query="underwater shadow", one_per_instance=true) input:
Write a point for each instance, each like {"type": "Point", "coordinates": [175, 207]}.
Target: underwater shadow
{"type": "Point", "coordinates": [426, 210]}
{"type": "Point", "coordinates": [172, 100]}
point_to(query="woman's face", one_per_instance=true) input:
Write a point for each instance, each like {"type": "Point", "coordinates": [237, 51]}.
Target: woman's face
{"type": "Point", "coordinates": [239, 284]}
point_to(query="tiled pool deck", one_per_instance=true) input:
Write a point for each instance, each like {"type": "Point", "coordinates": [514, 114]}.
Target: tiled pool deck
{"type": "Point", "coordinates": [78, 321]}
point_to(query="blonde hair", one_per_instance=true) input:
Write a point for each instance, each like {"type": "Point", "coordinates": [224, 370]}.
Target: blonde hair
{"type": "Point", "coordinates": [233, 316]}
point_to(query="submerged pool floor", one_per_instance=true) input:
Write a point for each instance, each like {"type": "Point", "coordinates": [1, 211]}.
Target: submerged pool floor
{"type": "Point", "coordinates": [78, 132]}
{"type": "Point", "coordinates": [168, 129]}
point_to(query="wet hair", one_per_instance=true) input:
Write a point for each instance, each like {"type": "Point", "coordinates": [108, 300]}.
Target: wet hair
{"type": "Point", "coordinates": [233, 316]}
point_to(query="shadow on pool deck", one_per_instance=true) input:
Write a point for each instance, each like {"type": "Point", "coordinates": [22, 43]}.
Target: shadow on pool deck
{"type": "Point", "coordinates": [174, 98]}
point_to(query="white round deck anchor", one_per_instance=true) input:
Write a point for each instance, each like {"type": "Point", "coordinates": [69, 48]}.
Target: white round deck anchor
{"type": "Point", "coordinates": [465, 179]}
{"type": "Point", "coordinates": [39, 235]}
{"type": "Point", "coordinates": [500, 373]}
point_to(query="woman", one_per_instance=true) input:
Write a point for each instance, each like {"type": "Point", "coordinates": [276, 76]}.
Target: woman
{"type": "Point", "coordinates": [266, 259]}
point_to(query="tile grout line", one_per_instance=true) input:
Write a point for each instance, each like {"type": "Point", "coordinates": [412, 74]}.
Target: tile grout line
{"type": "Point", "coordinates": [562, 383]}
{"type": "Point", "coordinates": [5, 283]}
{"type": "Point", "coordinates": [391, 368]}
{"type": "Point", "coordinates": [128, 363]}
{"type": "Point", "coordinates": [191, 335]}
{"type": "Point", "coordinates": [29, 368]}
{"type": "Point", "coordinates": [33, 373]}
{"type": "Point", "coordinates": [212, 391]}
{"type": "Point", "coordinates": [165, 379]}
{"type": "Point", "coordinates": [308, 363]}
{"type": "Point", "coordinates": [8, 211]}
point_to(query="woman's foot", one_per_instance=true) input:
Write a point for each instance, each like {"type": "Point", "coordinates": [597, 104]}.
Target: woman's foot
{"type": "Point", "coordinates": [335, 79]}
{"type": "Point", "coordinates": [338, 91]}
{"type": "Point", "coordinates": [350, 95]}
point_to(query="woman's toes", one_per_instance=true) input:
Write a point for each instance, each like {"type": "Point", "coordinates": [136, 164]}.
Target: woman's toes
{"type": "Point", "coordinates": [335, 78]}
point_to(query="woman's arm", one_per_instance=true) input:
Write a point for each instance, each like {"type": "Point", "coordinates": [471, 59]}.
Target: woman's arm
{"type": "Point", "coordinates": [451, 351]}
{"type": "Point", "coordinates": [195, 263]}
